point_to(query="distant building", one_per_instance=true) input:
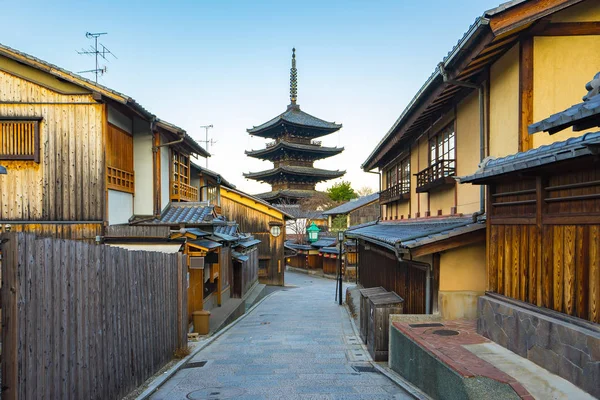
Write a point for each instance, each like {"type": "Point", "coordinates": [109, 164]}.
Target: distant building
{"type": "Point", "coordinates": [358, 211]}
{"type": "Point", "coordinates": [293, 151]}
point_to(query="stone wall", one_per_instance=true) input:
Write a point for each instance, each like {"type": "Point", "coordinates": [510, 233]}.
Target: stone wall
{"type": "Point", "coordinates": [565, 349]}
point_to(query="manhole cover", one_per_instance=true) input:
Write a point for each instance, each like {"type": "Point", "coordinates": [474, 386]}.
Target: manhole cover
{"type": "Point", "coordinates": [198, 364]}
{"type": "Point", "coordinates": [445, 332]}
{"type": "Point", "coordinates": [361, 368]}
{"type": "Point", "coordinates": [429, 325]}
{"type": "Point", "coordinates": [215, 393]}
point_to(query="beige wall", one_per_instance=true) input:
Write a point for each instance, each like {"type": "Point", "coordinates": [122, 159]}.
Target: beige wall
{"type": "Point", "coordinates": [467, 152]}
{"type": "Point", "coordinates": [463, 268]}
{"type": "Point", "coordinates": [587, 11]}
{"type": "Point", "coordinates": [561, 68]}
{"type": "Point", "coordinates": [504, 104]}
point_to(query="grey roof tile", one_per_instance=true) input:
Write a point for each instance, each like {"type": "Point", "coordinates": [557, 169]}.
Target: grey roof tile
{"type": "Point", "coordinates": [295, 116]}
{"type": "Point", "coordinates": [569, 117]}
{"type": "Point", "coordinates": [353, 205]}
{"type": "Point", "coordinates": [186, 213]}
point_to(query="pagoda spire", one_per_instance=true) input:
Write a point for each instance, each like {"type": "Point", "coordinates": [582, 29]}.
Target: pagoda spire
{"type": "Point", "coordinates": [293, 79]}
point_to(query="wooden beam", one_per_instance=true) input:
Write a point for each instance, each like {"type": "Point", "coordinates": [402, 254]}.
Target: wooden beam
{"type": "Point", "coordinates": [450, 243]}
{"type": "Point", "coordinates": [525, 13]}
{"type": "Point", "coordinates": [570, 29]}
{"type": "Point", "coordinates": [525, 93]}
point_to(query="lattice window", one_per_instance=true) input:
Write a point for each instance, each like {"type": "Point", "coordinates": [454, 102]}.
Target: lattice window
{"type": "Point", "coordinates": [442, 146]}
{"type": "Point", "coordinates": [20, 139]}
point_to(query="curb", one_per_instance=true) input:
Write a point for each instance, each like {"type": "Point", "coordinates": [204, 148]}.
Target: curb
{"type": "Point", "coordinates": [158, 382]}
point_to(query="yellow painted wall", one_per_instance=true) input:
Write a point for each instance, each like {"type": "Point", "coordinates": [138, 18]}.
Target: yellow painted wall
{"type": "Point", "coordinates": [423, 163]}
{"type": "Point", "coordinates": [463, 268]}
{"type": "Point", "coordinates": [467, 152]}
{"type": "Point", "coordinates": [561, 68]}
{"type": "Point", "coordinates": [441, 200]}
{"type": "Point", "coordinates": [504, 104]}
{"type": "Point", "coordinates": [414, 168]}
{"type": "Point", "coordinates": [587, 11]}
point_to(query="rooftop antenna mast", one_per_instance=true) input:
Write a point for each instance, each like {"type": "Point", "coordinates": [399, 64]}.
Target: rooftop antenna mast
{"type": "Point", "coordinates": [207, 142]}
{"type": "Point", "coordinates": [97, 52]}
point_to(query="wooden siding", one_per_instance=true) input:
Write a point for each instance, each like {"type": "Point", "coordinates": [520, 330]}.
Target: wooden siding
{"type": "Point", "coordinates": [68, 182]}
{"type": "Point", "coordinates": [257, 223]}
{"type": "Point", "coordinates": [87, 232]}
{"type": "Point", "coordinates": [379, 267]}
{"type": "Point", "coordinates": [365, 214]}
{"type": "Point", "coordinates": [245, 274]}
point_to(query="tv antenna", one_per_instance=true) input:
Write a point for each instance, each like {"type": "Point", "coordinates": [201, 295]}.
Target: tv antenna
{"type": "Point", "coordinates": [97, 52]}
{"type": "Point", "coordinates": [207, 142]}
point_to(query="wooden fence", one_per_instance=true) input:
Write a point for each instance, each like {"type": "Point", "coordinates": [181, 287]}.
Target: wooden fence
{"type": "Point", "coordinates": [84, 321]}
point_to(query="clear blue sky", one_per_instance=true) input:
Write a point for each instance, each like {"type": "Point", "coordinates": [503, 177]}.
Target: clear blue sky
{"type": "Point", "coordinates": [227, 63]}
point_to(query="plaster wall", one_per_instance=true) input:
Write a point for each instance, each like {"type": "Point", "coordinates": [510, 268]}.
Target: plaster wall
{"type": "Point", "coordinates": [414, 168]}
{"type": "Point", "coordinates": [142, 165]}
{"type": "Point", "coordinates": [467, 152]}
{"type": "Point", "coordinates": [120, 207]}
{"type": "Point", "coordinates": [165, 162]}
{"type": "Point", "coordinates": [504, 104]}
{"type": "Point", "coordinates": [587, 11]}
{"type": "Point", "coordinates": [561, 68]}
{"type": "Point", "coordinates": [120, 120]}
{"type": "Point", "coordinates": [441, 200]}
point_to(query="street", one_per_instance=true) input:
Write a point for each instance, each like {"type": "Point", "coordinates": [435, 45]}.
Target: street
{"type": "Point", "coordinates": [297, 344]}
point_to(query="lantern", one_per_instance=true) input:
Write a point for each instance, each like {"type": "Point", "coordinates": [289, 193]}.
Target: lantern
{"type": "Point", "coordinates": [313, 232]}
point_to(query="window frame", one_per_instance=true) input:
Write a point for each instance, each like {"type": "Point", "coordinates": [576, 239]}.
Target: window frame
{"type": "Point", "coordinates": [35, 157]}
{"type": "Point", "coordinates": [449, 130]}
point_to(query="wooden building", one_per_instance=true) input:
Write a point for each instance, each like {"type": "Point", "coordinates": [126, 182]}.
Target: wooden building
{"type": "Point", "coordinates": [359, 211]}
{"type": "Point", "coordinates": [517, 63]}
{"type": "Point", "coordinates": [80, 156]}
{"type": "Point", "coordinates": [543, 259]}
{"type": "Point", "coordinates": [293, 151]}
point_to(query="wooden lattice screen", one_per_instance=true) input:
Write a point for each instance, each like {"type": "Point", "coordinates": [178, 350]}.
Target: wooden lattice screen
{"type": "Point", "coordinates": [19, 140]}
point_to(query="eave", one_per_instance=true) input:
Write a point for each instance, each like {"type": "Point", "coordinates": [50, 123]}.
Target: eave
{"type": "Point", "coordinates": [316, 151]}
{"type": "Point", "coordinates": [304, 172]}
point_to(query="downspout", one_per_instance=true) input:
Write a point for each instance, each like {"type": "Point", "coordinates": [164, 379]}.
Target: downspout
{"type": "Point", "coordinates": [481, 91]}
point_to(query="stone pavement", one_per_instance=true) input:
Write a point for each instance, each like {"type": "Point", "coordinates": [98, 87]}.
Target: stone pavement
{"type": "Point", "coordinates": [297, 344]}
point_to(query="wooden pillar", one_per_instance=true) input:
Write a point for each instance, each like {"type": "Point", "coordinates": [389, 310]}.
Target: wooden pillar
{"type": "Point", "coordinates": [525, 93]}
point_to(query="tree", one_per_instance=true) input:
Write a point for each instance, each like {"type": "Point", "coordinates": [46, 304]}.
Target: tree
{"type": "Point", "coordinates": [341, 191]}
{"type": "Point", "coordinates": [365, 191]}
{"type": "Point", "coordinates": [339, 223]}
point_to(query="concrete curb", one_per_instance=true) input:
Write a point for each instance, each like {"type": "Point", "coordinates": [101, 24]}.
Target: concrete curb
{"type": "Point", "coordinates": [158, 382]}
{"type": "Point", "coordinates": [390, 374]}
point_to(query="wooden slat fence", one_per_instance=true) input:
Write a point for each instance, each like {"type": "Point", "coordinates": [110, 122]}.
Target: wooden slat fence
{"type": "Point", "coordinates": [84, 321]}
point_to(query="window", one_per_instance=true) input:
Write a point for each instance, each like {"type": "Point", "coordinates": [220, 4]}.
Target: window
{"type": "Point", "coordinates": [181, 168]}
{"type": "Point", "coordinates": [181, 188]}
{"type": "Point", "coordinates": [20, 139]}
{"type": "Point", "coordinates": [399, 174]}
{"type": "Point", "coordinates": [442, 147]}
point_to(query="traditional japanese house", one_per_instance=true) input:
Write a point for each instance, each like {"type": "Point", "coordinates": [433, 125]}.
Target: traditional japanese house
{"type": "Point", "coordinates": [543, 260]}
{"type": "Point", "coordinates": [293, 151]}
{"type": "Point", "coordinates": [356, 212]}
{"type": "Point", "coordinates": [515, 64]}
{"type": "Point", "coordinates": [82, 157]}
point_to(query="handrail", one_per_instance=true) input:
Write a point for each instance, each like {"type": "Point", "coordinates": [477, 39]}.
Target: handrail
{"type": "Point", "coordinates": [438, 170]}
{"type": "Point", "coordinates": [394, 192]}
{"type": "Point", "coordinates": [182, 191]}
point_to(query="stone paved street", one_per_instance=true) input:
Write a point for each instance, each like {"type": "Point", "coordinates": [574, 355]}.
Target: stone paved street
{"type": "Point", "coordinates": [297, 344]}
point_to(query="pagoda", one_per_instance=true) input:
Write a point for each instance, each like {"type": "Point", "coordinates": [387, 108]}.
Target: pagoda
{"type": "Point", "coordinates": [293, 151]}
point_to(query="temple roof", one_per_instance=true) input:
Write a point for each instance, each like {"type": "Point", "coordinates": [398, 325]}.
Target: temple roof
{"type": "Point", "coordinates": [316, 173]}
{"type": "Point", "coordinates": [293, 117]}
{"type": "Point", "coordinates": [317, 151]}
{"type": "Point", "coordinates": [286, 194]}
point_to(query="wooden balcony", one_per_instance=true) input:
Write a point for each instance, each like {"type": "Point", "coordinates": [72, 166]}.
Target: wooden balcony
{"type": "Point", "coordinates": [121, 180]}
{"type": "Point", "coordinates": [395, 193]}
{"type": "Point", "coordinates": [437, 176]}
{"type": "Point", "coordinates": [182, 192]}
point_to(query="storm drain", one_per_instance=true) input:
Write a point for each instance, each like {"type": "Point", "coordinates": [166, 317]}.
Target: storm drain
{"type": "Point", "coordinates": [197, 364]}
{"type": "Point", "coordinates": [215, 393]}
{"type": "Point", "coordinates": [364, 368]}
{"type": "Point", "coordinates": [429, 325]}
{"type": "Point", "coordinates": [445, 332]}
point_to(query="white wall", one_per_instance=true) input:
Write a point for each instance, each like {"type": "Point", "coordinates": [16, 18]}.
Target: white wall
{"type": "Point", "coordinates": [120, 120]}
{"type": "Point", "coordinates": [143, 203]}
{"type": "Point", "coordinates": [165, 162]}
{"type": "Point", "coordinates": [120, 207]}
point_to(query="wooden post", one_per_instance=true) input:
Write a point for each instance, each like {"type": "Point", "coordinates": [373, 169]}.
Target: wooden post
{"type": "Point", "coordinates": [10, 326]}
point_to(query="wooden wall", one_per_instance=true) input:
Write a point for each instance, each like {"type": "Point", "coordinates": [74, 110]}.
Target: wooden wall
{"type": "Point", "coordinates": [68, 182]}
{"type": "Point", "coordinates": [85, 232]}
{"type": "Point", "coordinates": [545, 249]}
{"type": "Point", "coordinates": [87, 321]}
{"type": "Point", "coordinates": [257, 223]}
{"type": "Point", "coordinates": [379, 267]}
{"type": "Point", "coordinates": [365, 214]}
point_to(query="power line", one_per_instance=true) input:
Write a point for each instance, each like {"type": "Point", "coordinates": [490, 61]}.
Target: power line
{"type": "Point", "coordinates": [94, 50]}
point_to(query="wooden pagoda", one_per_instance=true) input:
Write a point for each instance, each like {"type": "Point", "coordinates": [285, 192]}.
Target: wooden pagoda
{"type": "Point", "coordinates": [293, 151]}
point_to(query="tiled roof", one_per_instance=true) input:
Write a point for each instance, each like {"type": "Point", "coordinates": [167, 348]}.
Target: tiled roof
{"type": "Point", "coordinates": [293, 115]}
{"type": "Point", "coordinates": [309, 148]}
{"type": "Point", "coordinates": [330, 250]}
{"type": "Point", "coordinates": [207, 244]}
{"type": "Point", "coordinates": [291, 193]}
{"type": "Point", "coordinates": [411, 234]}
{"type": "Point", "coordinates": [227, 232]}
{"type": "Point", "coordinates": [186, 213]}
{"type": "Point", "coordinates": [296, 246]}
{"type": "Point", "coordinates": [573, 115]}
{"type": "Point", "coordinates": [259, 200]}
{"type": "Point", "coordinates": [543, 155]}
{"type": "Point", "coordinates": [353, 205]}
{"type": "Point", "coordinates": [296, 170]}
{"type": "Point", "coordinates": [212, 174]}
{"type": "Point", "coordinates": [239, 256]}
{"type": "Point", "coordinates": [324, 242]}
{"type": "Point", "coordinates": [248, 243]}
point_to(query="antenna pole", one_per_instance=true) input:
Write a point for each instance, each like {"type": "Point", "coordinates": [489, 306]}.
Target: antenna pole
{"type": "Point", "coordinates": [206, 141]}
{"type": "Point", "coordinates": [94, 50]}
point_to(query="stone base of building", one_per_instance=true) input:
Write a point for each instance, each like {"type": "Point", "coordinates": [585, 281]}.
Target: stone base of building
{"type": "Point", "coordinates": [564, 345]}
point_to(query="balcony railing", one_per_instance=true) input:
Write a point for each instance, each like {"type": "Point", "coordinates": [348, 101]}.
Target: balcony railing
{"type": "Point", "coordinates": [118, 179]}
{"type": "Point", "coordinates": [438, 175]}
{"type": "Point", "coordinates": [183, 192]}
{"type": "Point", "coordinates": [395, 193]}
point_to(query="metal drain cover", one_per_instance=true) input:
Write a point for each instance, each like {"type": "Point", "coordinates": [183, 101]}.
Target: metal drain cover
{"type": "Point", "coordinates": [198, 364]}
{"type": "Point", "coordinates": [215, 393]}
{"type": "Point", "coordinates": [428, 325]}
{"type": "Point", "coordinates": [445, 332]}
{"type": "Point", "coordinates": [364, 368]}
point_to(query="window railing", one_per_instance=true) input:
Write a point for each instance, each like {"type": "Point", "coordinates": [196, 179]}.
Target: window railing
{"type": "Point", "coordinates": [394, 193]}
{"type": "Point", "coordinates": [438, 174]}
{"type": "Point", "coordinates": [183, 192]}
{"type": "Point", "coordinates": [19, 140]}
{"type": "Point", "coordinates": [121, 180]}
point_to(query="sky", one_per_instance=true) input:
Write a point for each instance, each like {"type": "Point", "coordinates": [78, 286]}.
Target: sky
{"type": "Point", "coordinates": [227, 63]}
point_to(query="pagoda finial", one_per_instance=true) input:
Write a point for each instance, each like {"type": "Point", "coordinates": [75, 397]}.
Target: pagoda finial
{"type": "Point", "coordinates": [293, 79]}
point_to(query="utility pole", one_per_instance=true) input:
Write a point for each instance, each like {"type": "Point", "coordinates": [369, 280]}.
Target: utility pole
{"type": "Point", "coordinates": [207, 142]}
{"type": "Point", "coordinates": [96, 52]}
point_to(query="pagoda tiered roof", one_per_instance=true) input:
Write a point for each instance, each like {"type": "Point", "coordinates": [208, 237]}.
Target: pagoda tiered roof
{"type": "Point", "coordinates": [295, 194]}
{"type": "Point", "coordinates": [309, 151]}
{"type": "Point", "coordinates": [286, 172]}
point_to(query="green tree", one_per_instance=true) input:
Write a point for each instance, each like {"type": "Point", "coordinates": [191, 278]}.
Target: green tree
{"type": "Point", "coordinates": [341, 191]}
{"type": "Point", "coordinates": [339, 223]}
